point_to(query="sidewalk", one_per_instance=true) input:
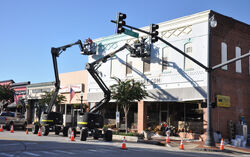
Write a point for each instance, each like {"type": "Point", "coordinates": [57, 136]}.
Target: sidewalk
{"type": "Point", "coordinates": [194, 145]}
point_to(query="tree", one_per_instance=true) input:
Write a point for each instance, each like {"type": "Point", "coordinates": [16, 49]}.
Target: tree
{"type": "Point", "coordinates": [126, 92]}
{"type": "Point", "coordinates": [6, 93]}
{"type": "Point", "coordinates": [45, 99]}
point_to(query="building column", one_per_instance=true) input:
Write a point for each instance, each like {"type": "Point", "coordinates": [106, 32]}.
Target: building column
{"type": "Point", "coordinates": [142, 116]}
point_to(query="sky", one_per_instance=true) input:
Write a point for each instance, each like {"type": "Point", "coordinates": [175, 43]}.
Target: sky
{"type": "Point", "coordinates": [29, 28]}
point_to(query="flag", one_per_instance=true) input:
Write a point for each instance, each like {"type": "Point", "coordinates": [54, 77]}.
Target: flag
{"type": "Point", "coordinates": [72, 94]}
{"type": "Point", "coordinates": [15, 97]}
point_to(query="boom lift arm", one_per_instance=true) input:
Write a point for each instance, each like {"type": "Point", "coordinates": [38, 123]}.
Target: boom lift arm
{"type": "Point", "coordinates": [55, 52]}
{"type": "Point", "coordinates": [92, 69]}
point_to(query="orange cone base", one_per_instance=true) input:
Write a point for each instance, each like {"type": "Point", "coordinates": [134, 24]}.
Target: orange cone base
{"type": "Point", "coordinates": [72, 138]}
{"type": "Point", "coordinates": [181, 147]}
{"type": "Point", "coordinates": [39, 133]}
{"type": "Point", "coordinates": [124, 146]}
{"type": "Point", "coordinates": [221, 147]}
{"type": "Point", "coordinates": [167, 141]}
{"type": "Point", "coordinates": [12, 130]}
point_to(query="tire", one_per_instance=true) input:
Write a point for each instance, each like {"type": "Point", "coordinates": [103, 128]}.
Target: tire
{"type": "Point", "coordinates": [108, 135]}
{"type": "Point", "coordinates": [65, 131]}
{"type": "Point", "coordinates": [83, 134]}
{"type": "Point", "coordinates": [35, 129]}
{"type": "Point", "coordinates": [7, 127]}
{"type": "Point", "coordinates": [24, 127]}
{"type": "Point", "coordinates": [45, 130]}
{"type": "Point", "coordinates": [96, 134]}
{"type": "Point", "coordinates": [57, 130]}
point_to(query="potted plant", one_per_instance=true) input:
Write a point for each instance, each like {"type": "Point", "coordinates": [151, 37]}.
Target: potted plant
{"type": "Point", "coordinates": [148, 133]}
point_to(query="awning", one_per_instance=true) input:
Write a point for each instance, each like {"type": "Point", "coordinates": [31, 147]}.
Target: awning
{"type": "Point", "coordinates": [12, 105]}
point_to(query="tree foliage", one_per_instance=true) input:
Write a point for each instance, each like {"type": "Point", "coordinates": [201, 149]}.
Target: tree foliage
{"type": "Point", "coordinates": [127, 91]}
{"type": "Point", "coordinates": [6, 93]}
{"type": "Point", "coordinates": [45, 99]}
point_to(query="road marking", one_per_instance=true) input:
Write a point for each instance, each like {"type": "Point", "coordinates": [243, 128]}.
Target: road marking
{"type": "Point", "coordinates": [9, 155]}
{"type": "Point", "coordinates": [61, 151]}
{"type": "Point", "coordinates": [30, 143]}
{"type": "Point", "coordinates": [11, 144]}
{"type": "Point", "coordinates": [92, 150]}
{"type": "Point", "coordinates": [46, 152]}
{"type": "Point", "coordinates": [29, 153]}
{"type": "Point", "coordinates": [107, 150]}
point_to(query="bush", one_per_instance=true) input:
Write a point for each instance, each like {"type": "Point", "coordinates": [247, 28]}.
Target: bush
{"type": "Point", "coordinates": [125, 134]}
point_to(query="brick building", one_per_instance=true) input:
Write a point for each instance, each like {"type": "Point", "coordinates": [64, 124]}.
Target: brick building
{"type": "Point", "coordinates": [230, 39]}
{"type": "Point", "coordinates": [177, 86]}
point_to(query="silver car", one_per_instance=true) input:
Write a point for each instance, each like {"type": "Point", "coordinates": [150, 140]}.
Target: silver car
{"type": "Point", "coordinates": [7, 119]}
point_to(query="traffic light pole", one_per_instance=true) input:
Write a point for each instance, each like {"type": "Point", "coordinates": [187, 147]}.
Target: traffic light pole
{"type": "Point", "coordinates": [210, 138]}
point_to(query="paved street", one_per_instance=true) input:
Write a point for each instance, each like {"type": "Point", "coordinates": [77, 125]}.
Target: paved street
{"type": "Point", "coordinates": [19, 145]}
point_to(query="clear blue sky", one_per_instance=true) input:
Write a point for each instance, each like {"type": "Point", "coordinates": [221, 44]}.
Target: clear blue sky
{"type": "Point", "coordinates": [29, 28]}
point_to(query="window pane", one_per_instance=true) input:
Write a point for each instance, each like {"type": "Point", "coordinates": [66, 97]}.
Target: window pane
{"type": "Point", "coordinates": [129, 68]}
{"type": "Point", "coordinates": [165, 58]}
{"type": "Point", "coordinates": [188, 64]}
{"type": "Point", "coordinates": [164, 63]}
{"type": "Point", "coordinates": [238, 63]}
{"type": "Point", "coordinates": [224, 54]}
{"type": "Point", "coordinates": [146, 66]}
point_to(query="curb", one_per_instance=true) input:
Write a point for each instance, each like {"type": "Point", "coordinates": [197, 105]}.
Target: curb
{"type": "Point", "coordinates": [150, 142]}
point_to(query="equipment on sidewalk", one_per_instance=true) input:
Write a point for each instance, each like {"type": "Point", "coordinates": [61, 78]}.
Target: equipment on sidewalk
{"type": "Point", "coordinates": [181, 145]}
{"type": "Point", "coordinates": [72, 138]}
{"type": "Point", "coordinates": [49, 120]}
{"type": "Point", "coordinates": [222, 144]}
{"type": "Point", "coordinates": [12, 129]}
{"type": "Point", "coordinates": [27, 131]}
{"type": "Point", "coordinates": [124, 144]}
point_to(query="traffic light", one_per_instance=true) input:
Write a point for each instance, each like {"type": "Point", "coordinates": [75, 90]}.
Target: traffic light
{"type": "Point", "coordinates": [204, 105]}
{"type": "Point", "coordinates": [154, 33]}
{"type": "Point", "coordinates": [120, 23]}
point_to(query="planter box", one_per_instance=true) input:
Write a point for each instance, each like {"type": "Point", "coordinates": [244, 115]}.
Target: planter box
{"type": "Point", "coordinates": [192, 136]}
{"type": "Point", "coordinates": [128, 138]}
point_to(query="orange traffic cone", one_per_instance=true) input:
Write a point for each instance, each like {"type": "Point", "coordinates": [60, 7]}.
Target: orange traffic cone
{"type": "Point", "coordinates": [181, 145]}
{"type": "Point", "coordinates": [167, 139]}
{"type": "Point", "coordinates": [124, 144]}
{"type": "Point", "coordinates": [72, 138]}
{"type": "Point", "coordinates": [39, 132]}
{"type": "Point", "coordinates": [12, 129]}
{"type": "Point", "coordinates": [27, 131]}
{"type": "Point", "coordinates": [1, 129]}
{"type": "Point", "coordinates": [222, 144]}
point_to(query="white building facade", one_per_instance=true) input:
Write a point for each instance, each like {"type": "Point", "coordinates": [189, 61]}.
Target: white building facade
{"type": "Point", "coordinates": [169, 77]}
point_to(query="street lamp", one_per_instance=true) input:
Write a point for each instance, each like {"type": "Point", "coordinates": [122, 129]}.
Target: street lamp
{"type": "Point", "coordinates": [81, 95]}
{"type": "Point", "coordinates": [210, 137]}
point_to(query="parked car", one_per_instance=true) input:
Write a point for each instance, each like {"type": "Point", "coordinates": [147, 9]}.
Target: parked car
{"type": "Point", "coordinates": [11, 118]}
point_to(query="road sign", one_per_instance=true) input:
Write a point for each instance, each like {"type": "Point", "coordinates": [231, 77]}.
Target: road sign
{"type": "Point", "coordinates": [131, 33]}
{"type": "Point", "coordinates": [117, 117]}
{"type": "Point", "coordinates": [223, 101]}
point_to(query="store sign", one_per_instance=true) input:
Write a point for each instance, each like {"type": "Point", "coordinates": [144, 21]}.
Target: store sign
{"type": "Point", "coordinates": [223, 101]}
{"type": "Point", "coordinates": [66, 89]}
